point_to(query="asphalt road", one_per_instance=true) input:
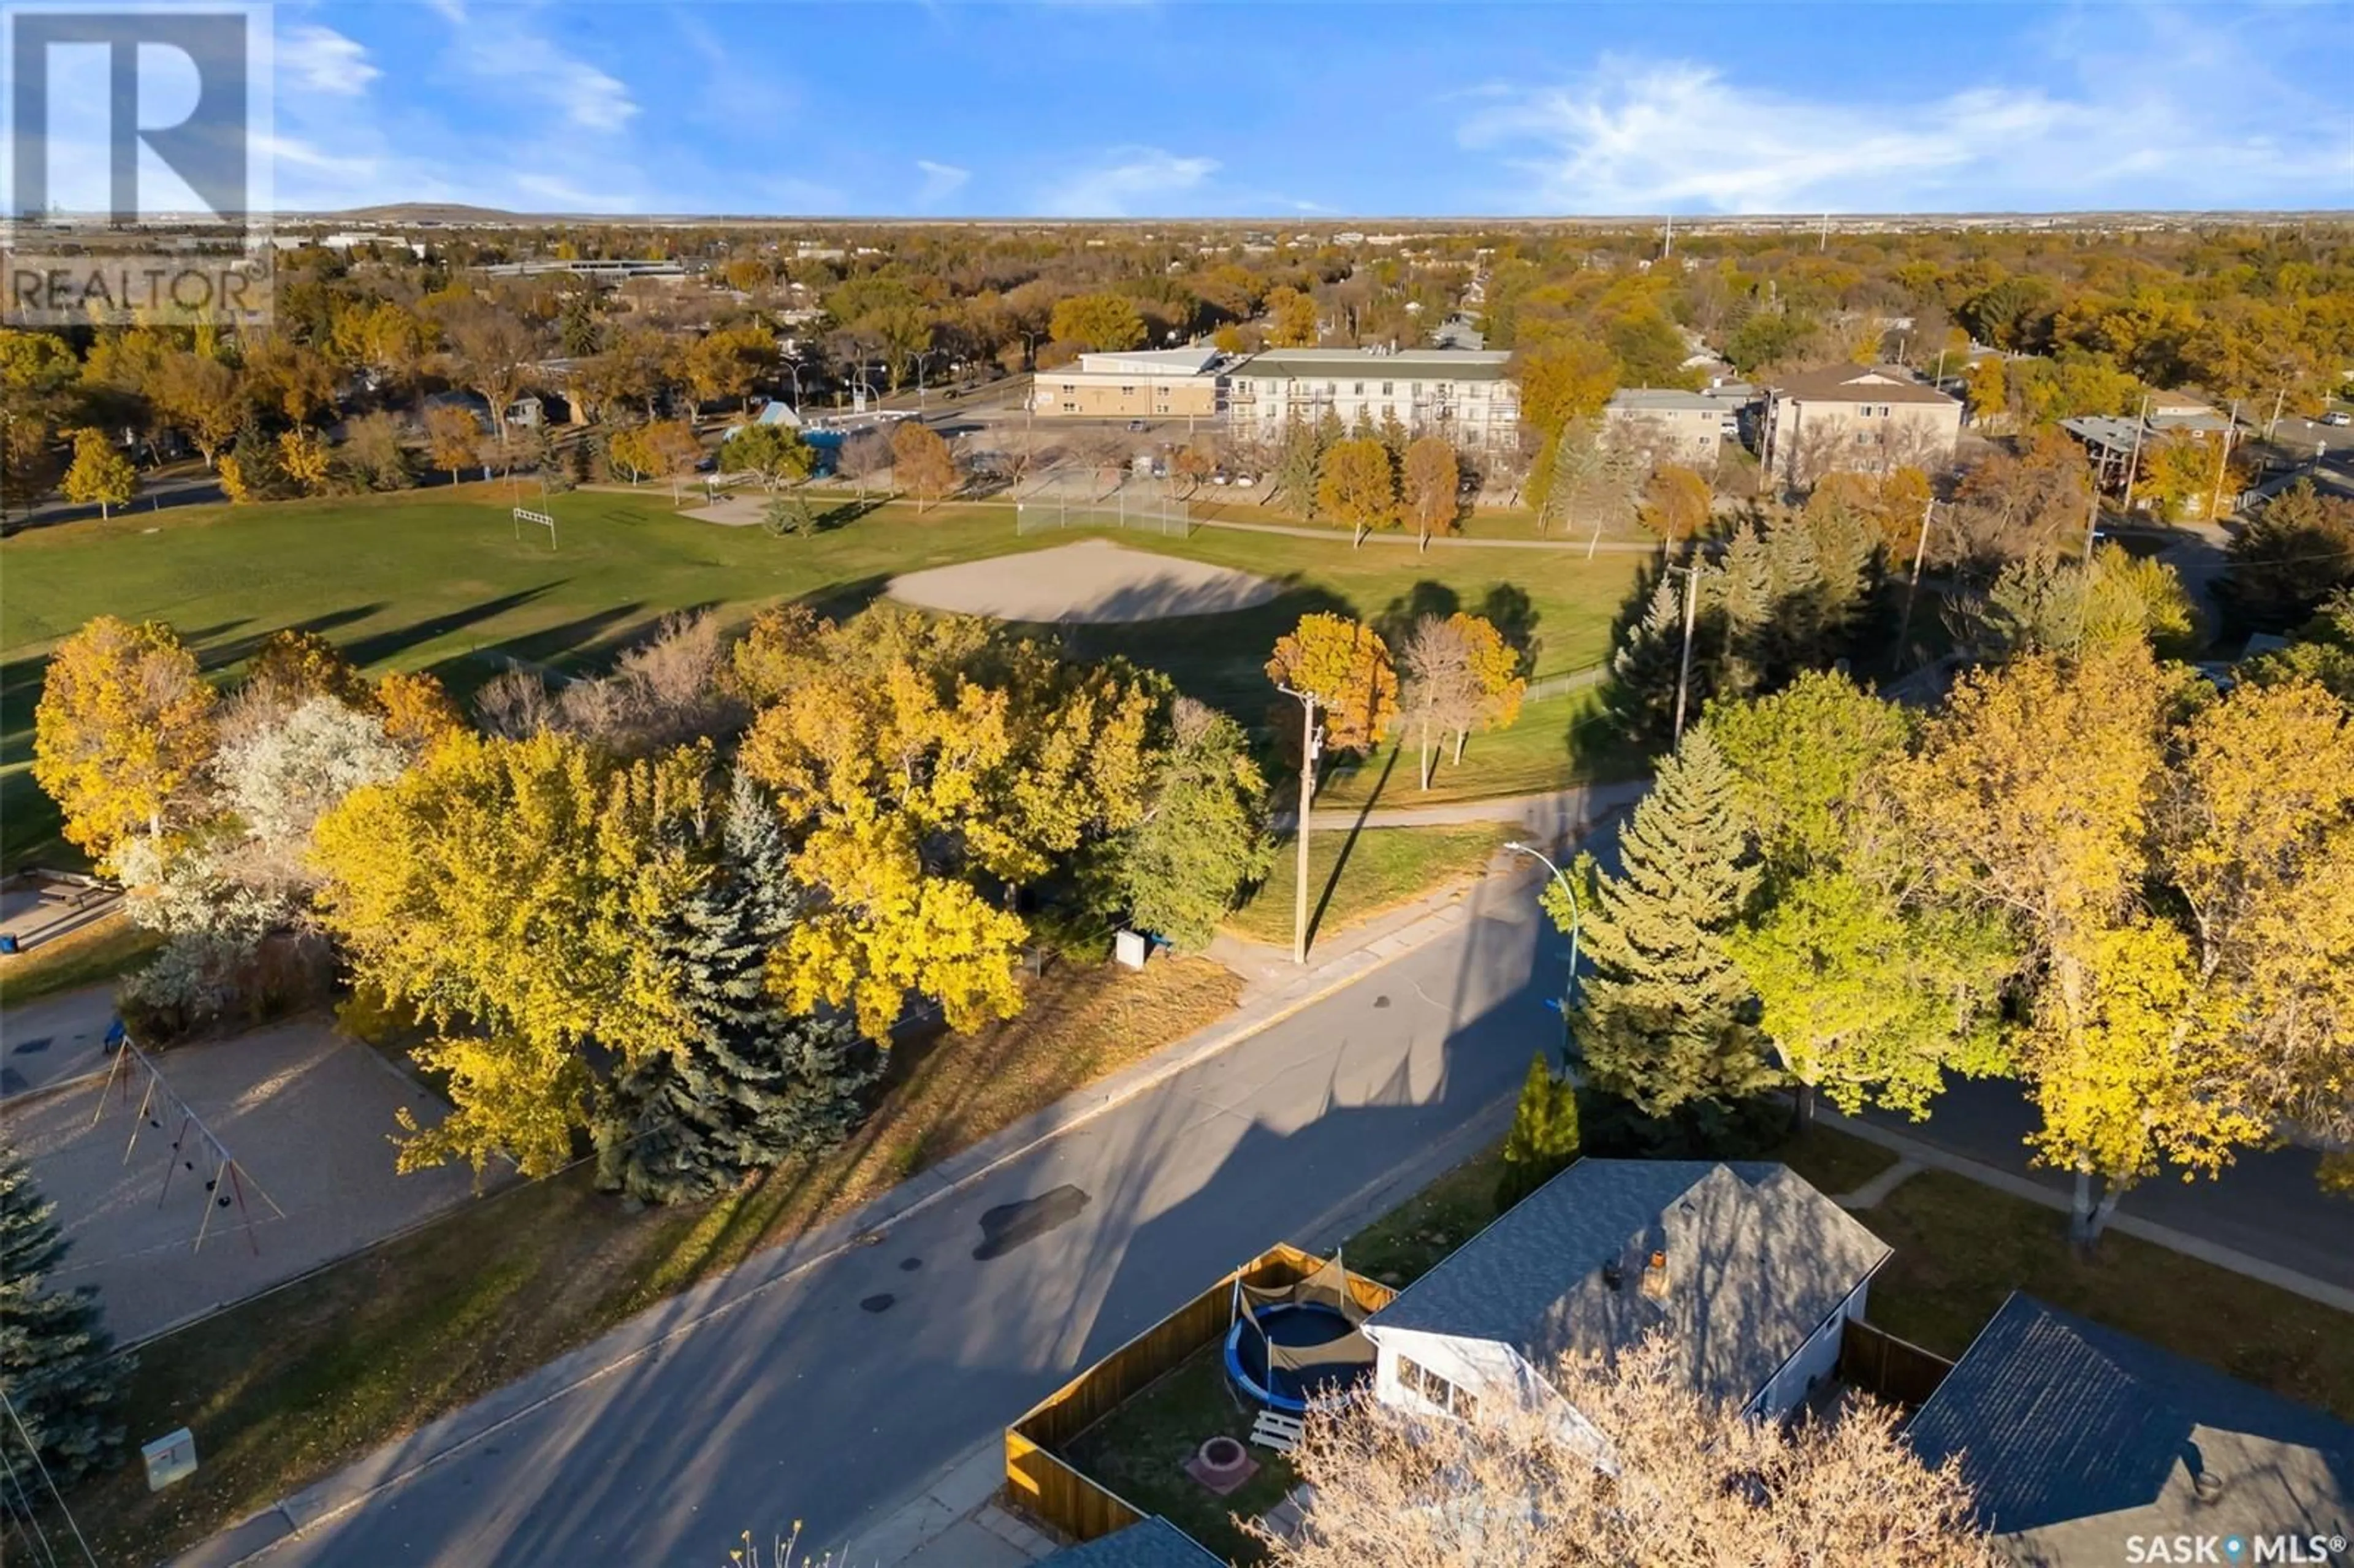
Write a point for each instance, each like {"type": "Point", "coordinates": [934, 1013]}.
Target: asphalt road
{"type": "Point", "coordinates": [829, 1398]}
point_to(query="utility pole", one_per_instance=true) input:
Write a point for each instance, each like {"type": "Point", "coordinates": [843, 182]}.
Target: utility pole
{"type": "Point", "coordinates": [2133, 460]}
{"type": "Point", "coordinates": [1684, 671]}
{"type": "Point", "coordinates": [2093, 517]}
{"type": "Point", "coordinates": [2272, 424]}
{"type": "Point", "coordinates": [1311, 742]}
{"type": "Point", "coordinates": [2222, 463]}
{"type": "Point", "coordinates": [1825, 243]}
{"type": "Point", "coordinates": [1668, 248]}
{"type": "Point", "coordinates": [1912, 588]}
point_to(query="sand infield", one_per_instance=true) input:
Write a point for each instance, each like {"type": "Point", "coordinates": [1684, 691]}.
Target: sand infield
{"type": "Point", "coordinates": [1094, 581]}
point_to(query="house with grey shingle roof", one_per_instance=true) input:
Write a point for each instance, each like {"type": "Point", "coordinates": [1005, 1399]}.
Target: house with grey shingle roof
{"type": "Point", "coordinates": [1751, 1273]}
{"type": "Point", "coordinates": [1155, 1543]}
{"type": "Point", "coordinates": [2078, 1439]}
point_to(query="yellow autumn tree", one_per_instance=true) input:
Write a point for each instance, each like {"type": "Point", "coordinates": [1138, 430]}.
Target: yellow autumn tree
{"type": "Point", "coordinates": [1345, 666]}
{"type": "Point", "coordinates": [122, 733]}
{"type": "Point", "coordinates": [504, 890]}
{"type": "Point", "coordinates": [293, 664]}
{"type": "Point", "coordinates": [305, 456]}
{"type": "Point", "coordinates": [418, 712]}
{"type": "Point", "coordinates": [2150, 863]}
{"type": "Point", "coordinates": [925, 763]}
{"type": "Point", "coordinates": [1356, 485]}
{"type": "Point", "coordinates": [1431, 478]}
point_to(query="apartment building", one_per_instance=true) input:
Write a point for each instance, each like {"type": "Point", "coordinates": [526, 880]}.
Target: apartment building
{"type": "Point", "coordinates": [1134, 384]}
{"type": "Point", "coordinates": [1856, 418]}
{"type": "Point", "coordinates": [1464, 395]}
{"type": "Point", "coordinates": [1669, 425]}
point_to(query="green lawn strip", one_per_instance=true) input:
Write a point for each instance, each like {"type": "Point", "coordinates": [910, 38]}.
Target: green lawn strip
{"type": "Point", "coordinates": [1961, 1249]}
{"type": "Point", "coordinates": [284, 1388]}
{"type": "Point", "coordinates": [100, 951]}
{"type": "Point", "coordinates": [437, 579]}
{"type": "Point", "coordinates": [1834, 1162]}
{"type": "Point", "coordinates": [1556, 742]}
{"type": "Point", "coordinates": [1379, 869]}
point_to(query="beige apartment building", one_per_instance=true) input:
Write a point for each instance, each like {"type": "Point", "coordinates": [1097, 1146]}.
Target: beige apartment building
{"type": "Point", "coordinates": [1668, 426]}
{"type": "Point", "coordinates": [1461, 394]}
{"type": "Point", "coordinates": [1856, 418]}
{"type": "Point", "coordinates": [1135, 383]}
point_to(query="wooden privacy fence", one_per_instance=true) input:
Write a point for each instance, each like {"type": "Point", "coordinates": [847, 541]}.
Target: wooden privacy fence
{"type": "Point", "coordinates": [1895, 1370]}
{"type": "Point", "coordinates": [1039, 1481]}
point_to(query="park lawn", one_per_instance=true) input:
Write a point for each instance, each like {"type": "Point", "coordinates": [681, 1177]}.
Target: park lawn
{"type": "Point", "coordinates": [1355, 876]}
{"type": "Point", "coordinates": [100, 951]}
{"type": "Point", "coordinates": [439, 580]}
{"type": "Point", "coordinates": [1962, 1248]}
{"type": "Point", "coordinates": [1555, 742]}
{"type": "Point", "coordinates": [292, 1385]}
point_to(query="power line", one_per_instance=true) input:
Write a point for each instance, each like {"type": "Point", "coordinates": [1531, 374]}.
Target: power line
{"type": "Point", "coordinates": [18, 1422]}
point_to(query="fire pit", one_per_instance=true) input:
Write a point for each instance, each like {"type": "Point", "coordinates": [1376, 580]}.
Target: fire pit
{"type": "Point", "coordinates": [1222, 1464]}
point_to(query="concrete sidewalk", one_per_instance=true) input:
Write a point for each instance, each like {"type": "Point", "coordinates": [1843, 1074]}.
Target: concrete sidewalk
{"type": "Point", "coordinates": [1921, 1155]}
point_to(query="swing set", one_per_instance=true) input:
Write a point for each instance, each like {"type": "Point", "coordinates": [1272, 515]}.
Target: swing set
{"type": "Point", "coordinates": [159, 1103]}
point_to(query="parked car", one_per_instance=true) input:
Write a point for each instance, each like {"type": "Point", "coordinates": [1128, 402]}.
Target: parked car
{"type": "Point", "coordinates": [2337, 417]}
{"type": "Point", "coordinates": [1136, 424]}
{"type": "Point", "coordinates": [1244, 482]}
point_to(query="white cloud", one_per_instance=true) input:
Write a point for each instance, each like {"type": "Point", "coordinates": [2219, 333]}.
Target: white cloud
{"type": "Point", "coordinates": [500, 50]}
{"type": "Point", "coordinates": [1124, 180]}
{"type": "Point", "coordinates": [2134, 120]}
{"type": "Point", "coordinates": [312, 59]}
{"type": "Point", "coordinates": [941, 180]}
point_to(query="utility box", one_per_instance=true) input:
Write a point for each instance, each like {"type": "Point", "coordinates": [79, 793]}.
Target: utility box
{"type": "Point", "coordinates": [171, 1457]}
{"type": "Point", "coordinates": [1130, 947]}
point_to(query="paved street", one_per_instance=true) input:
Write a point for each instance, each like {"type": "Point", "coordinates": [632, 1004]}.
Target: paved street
{"type": "Point", "coordinates": [2268, 1203]}
{"type": "Point", "coordinates": [836, 1393]}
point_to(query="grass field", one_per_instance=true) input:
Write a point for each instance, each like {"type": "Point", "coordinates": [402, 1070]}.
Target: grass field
{"type": "Point", "coordinates": [438, 580]}
{"type": "Point", "coordinates": [99, 951]}
{"type": "Point", "coordinates": [1554, 741]}
{"type": "Point", "coordinates": [290, 1385]}
{"type": "Point", "coordinates": [1378, 869]}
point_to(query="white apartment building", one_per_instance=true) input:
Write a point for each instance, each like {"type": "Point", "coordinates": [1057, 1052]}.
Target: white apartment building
{"type": "Point", "coordinates": [1464, 395]}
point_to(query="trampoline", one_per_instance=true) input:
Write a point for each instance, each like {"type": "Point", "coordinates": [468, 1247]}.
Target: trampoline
{"type": "Point", "coordinates": [1298, 1347]}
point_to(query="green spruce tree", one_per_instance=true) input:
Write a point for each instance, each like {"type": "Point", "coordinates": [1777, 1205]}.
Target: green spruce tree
{"type": "Point", "coordinates": [750, 1084]}
{"type": "Point", "coordinates": [1643, 672]}
{"type": "Point", "coordinates": [57, 1366]}
{"type": "Point", "coordinates": [1545, 1139]}
{"type": "Point", "coordinates": [1665, 1018]}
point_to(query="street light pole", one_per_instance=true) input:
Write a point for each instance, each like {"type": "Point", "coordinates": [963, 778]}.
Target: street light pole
{"type": "Point", "coordinates": [1310, 743]}
{"type": "Point", "coordinates": [1576, 917]}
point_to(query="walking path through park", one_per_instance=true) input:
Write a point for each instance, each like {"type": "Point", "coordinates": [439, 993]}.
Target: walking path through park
{"type": "Point", "coordinates": [1550, 816]}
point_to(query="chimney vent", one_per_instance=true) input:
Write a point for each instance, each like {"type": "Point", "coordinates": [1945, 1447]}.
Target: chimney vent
{"type": "Point", "coordinates": [1655, 1276]}
{"type": "Point", "coordinates": [2207, 1486]}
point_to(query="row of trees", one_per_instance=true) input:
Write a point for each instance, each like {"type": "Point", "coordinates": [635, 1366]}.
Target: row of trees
{"type": "Point", "coordinates": [649, 907]}
{"type": "Point", "coordinates": [2087, 868]}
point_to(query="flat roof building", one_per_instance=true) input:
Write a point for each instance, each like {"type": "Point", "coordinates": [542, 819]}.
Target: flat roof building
{"type": "Point", "coordinates": [1465, 395]}
{"type": "Point", "coordinates": [1133, 384]}
{"type": "Point", "coordinates": [1672, 426]}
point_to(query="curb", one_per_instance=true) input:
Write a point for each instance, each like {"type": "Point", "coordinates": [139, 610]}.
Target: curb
{"type": "Point", "coordinates": [408, 1456]}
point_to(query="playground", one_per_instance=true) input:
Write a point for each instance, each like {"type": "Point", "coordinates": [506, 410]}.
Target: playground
{"type": "Point", "coordinates": [1093, 582]}
{"type": "Point", "coordinates": [202, 1175]}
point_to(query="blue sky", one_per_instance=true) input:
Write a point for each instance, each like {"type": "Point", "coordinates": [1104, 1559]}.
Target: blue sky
{"type": "Point", "coordinates": [1097, 109]}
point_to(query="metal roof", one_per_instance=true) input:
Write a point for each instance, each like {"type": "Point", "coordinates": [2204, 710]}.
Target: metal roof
{"type": "Point", "coordinates": [1657, 398]}
{"type": "Point", "coordinates": [1756, 1260]}
{"type": "Point", "coordinates": [2073, 1435]}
